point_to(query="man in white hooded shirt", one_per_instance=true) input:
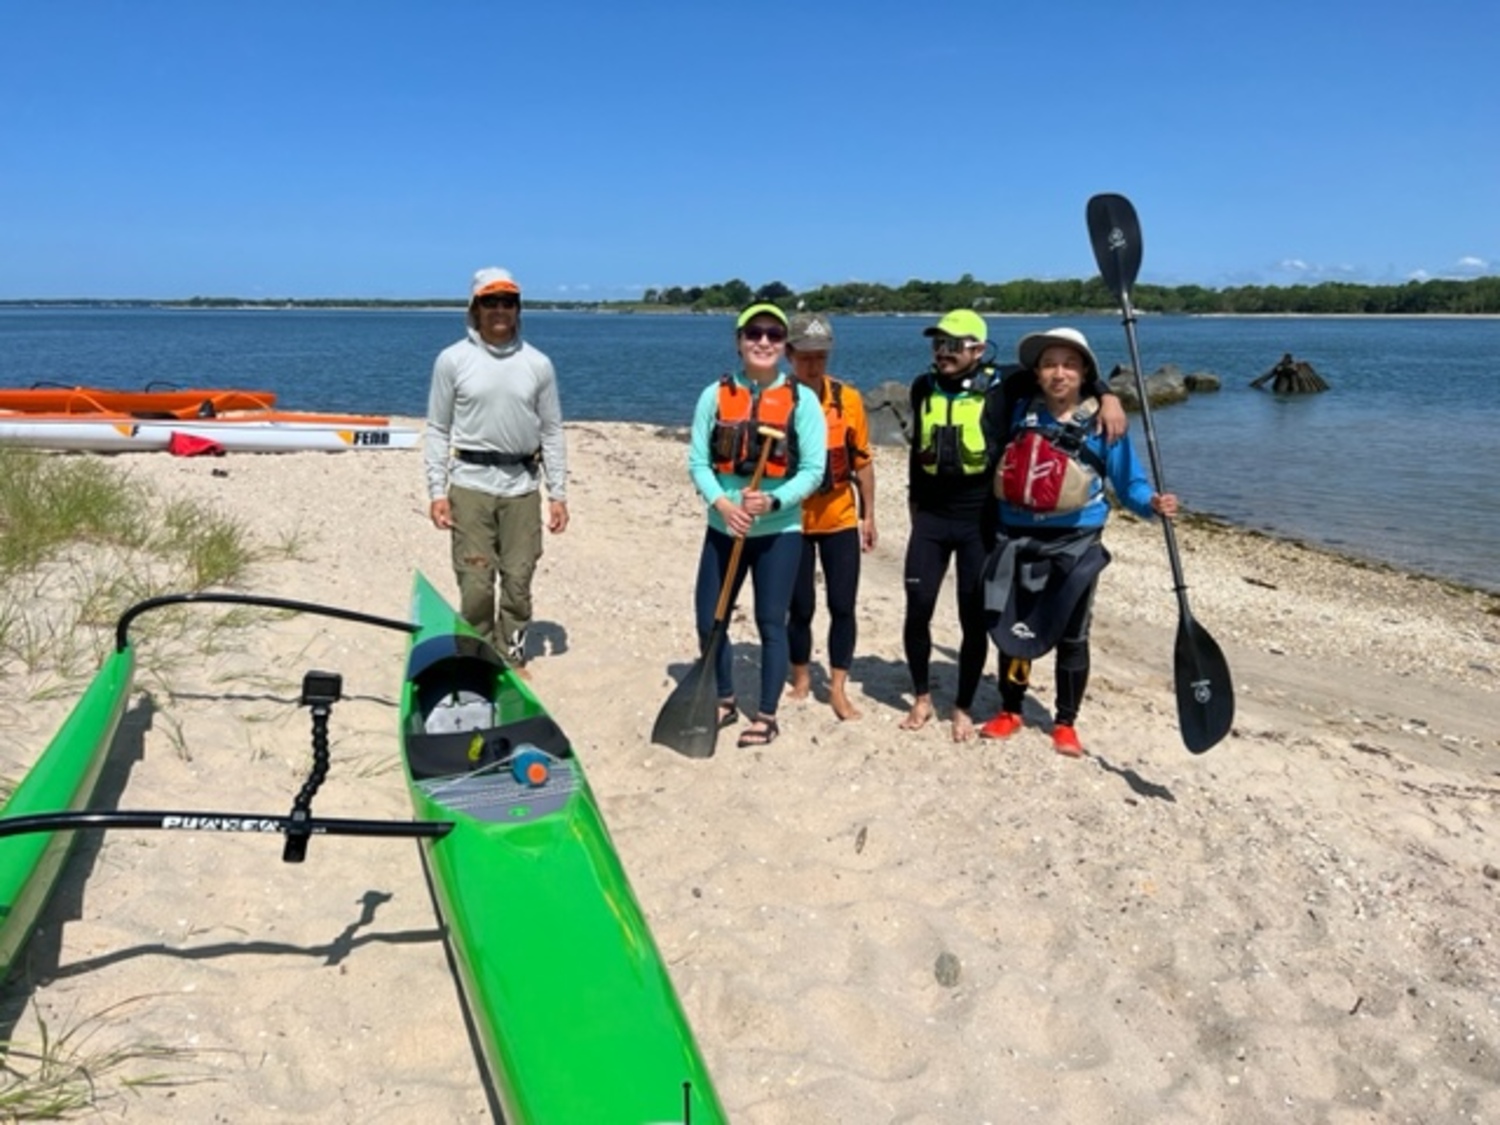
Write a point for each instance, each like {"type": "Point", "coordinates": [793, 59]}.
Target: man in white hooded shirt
{"type": "Point", "coordinates": [494, 432]}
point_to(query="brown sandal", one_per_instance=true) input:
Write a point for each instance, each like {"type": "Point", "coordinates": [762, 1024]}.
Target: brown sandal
{"type": "Point", "coordinates": [728, 713]}
{"type": "Point", "coordinates": [761, 732]}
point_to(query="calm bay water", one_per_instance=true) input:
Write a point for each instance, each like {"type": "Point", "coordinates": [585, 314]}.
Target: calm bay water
{"type": "Point", "coordinates": [1398, 462]}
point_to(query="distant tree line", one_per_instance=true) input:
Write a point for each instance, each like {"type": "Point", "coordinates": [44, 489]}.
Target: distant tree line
{"type": "Point", "coordinates": [1480, 295]}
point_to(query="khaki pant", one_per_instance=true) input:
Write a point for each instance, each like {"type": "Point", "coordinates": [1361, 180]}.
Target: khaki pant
{"type": "Point", "coordinates": [496, 536]}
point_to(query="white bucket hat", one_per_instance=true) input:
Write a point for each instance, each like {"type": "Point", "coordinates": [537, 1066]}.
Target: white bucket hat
{"type": "Point", "coordinates": [1031, 347]}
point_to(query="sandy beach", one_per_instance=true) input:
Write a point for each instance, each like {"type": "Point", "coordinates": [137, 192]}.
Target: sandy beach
{"type": "Point", "coordinates": [865, 925]}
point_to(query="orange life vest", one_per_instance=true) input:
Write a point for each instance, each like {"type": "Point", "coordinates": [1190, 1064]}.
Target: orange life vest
{"type": "Point", "coordinates": [736, 440]}
{"type": "Point", "coordinates": [842, 449]}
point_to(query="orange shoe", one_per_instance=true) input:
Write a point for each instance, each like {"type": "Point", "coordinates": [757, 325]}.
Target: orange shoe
{"type": "Point", "coordinates": [1065, 741]}
{"type": "Point", "coordinates": [1002, 725]}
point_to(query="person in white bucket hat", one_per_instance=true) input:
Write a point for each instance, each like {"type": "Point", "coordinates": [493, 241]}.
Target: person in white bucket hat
{"type": "Point", "coordinates": [1049, 488]}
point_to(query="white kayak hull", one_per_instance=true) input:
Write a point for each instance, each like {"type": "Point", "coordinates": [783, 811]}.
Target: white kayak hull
{"type": "Point", "coordinates": [123, 436]}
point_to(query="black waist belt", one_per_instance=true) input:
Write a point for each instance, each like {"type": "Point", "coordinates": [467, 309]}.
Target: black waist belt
{"type": "Point", "coordinates": [490, 457]}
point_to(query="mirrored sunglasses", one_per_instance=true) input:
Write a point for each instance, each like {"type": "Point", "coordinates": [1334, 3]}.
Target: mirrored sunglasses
{"type": "Point", "coordinates": [949, 345]}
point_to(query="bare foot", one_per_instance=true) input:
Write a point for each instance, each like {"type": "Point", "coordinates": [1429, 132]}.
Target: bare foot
{"type": "Point", "coordinates": [838, 696]}
{"type": "Point", "coordinates": [963, 726]}
{"type": "Point", "coordinates": [801, 682]}
{"type": "Point", "coordinates": [919, 715]}
{"type": "Point", "coordinates": [843, 708]}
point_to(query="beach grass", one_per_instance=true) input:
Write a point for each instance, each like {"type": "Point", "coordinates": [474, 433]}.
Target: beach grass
{"type": "Point", "coordinates": [61, 1073]}
{"type": "Point", "coordinates": [48, 502]}
{"type": "Point", "coordinates": [81, 524]}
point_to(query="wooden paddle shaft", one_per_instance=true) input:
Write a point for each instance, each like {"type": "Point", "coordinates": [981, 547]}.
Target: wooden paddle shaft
{"type": "Point", "coordinates": [770, 434]}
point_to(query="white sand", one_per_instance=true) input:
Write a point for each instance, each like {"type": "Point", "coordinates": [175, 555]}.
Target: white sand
{"type": "Point", "coordinates": [1298, 926]}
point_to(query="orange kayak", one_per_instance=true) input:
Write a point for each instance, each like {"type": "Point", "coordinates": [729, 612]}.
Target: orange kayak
{"type": "Point", "coordinates": [186, 402]}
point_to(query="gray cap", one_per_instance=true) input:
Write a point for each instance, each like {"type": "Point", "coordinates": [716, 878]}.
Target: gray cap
{"type": "Point", "coordinates": [810, 332]}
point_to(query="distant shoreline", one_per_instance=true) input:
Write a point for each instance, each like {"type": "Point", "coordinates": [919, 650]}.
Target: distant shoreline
{"type": "Point", "coordinates": [312, 305]}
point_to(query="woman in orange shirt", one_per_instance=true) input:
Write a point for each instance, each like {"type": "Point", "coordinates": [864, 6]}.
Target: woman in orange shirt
{"type": "Point", "coordinates": [838, 520]}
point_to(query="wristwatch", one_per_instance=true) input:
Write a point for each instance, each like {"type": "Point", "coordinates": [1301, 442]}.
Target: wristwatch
{"type": "Point", "coordinates": [776, 503]}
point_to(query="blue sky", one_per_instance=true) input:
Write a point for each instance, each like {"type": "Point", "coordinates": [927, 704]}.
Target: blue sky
{"type": "Point", "coordinates": [158, 148]}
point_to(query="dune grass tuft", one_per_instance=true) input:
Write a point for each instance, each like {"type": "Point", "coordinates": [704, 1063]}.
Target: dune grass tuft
{"type": "Point", "coordinates": [79, 525]}
{"type": "Point", "coordinates": [62, 1074]}
{"type": "Point", "coordinates": [48, 502]}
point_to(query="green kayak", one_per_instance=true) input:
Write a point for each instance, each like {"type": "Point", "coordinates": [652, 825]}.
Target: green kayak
{"type": "Point", "coordinates": [574, 1007]}
{"type": "Point", "coordinates": [61, 780]}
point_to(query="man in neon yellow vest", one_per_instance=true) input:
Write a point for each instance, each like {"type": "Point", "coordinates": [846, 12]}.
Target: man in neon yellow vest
{"type": "Point", "coordinates": [958, 411]}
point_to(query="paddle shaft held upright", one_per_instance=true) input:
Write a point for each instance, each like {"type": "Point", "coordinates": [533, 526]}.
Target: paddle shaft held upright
{"type": "Point", "coordinates": [769, 436]}
{"type": "Point", "coordinates": [1112, 220]}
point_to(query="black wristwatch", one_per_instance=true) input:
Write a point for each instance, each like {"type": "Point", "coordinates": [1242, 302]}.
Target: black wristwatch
{"type": "Point", "coordinates": [776, 503]}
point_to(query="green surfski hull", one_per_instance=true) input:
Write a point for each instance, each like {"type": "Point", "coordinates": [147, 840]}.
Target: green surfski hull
{"type": "Point", "coordinates": [567, 991]}
{"type": "Point", "coordinates": [62, 779]}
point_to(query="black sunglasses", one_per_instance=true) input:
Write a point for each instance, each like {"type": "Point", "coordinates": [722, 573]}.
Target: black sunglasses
{"type": "Point", "coordinates": [764, 332]}
{"type": "Point", "coordinates": [949, 345]}
{"type": "Point", "coordinates": [500, 301]}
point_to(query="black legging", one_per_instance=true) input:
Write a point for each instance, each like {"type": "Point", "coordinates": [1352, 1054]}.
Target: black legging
{"type": "Point", "coordinates": [934, 540]}
{"type": "Point", "coordinates": [840, 553]}
{"type": "Point", "coordinates": [1071, 665]}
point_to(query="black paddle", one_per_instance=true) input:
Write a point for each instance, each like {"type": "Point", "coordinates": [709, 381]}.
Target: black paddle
{"type": "Point", "coordinates": [1205, 693]}
{"type": "Point", "coordinates": [688, 721]}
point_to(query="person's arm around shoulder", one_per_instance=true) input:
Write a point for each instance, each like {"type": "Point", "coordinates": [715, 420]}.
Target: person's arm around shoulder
{"type": "Point", "coordinates": [1111, 420]}
{"type": "Point", "coordinates": [438, 441]}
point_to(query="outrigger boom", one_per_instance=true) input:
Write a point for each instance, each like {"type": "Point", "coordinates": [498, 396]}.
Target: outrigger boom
{"type": "Point", "coordinates": [320, 690]}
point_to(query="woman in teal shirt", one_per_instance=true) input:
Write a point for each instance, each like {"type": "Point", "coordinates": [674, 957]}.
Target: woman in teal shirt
{"type": "Point", "coordinates": [724, 448]}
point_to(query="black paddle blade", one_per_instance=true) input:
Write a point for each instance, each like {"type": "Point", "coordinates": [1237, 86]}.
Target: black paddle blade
{"type": "Point", "coordinates": [1116, 234]}
{"type": "Point", "coordinates": [688, 721]}
{"type": "Point", "coordinates": [1205, 693]}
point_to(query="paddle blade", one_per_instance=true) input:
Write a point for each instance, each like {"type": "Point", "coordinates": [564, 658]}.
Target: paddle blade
{"type": "Point", "coordinates": [1205, 693]}
{"type": "Point", "coordinates": [1115, 233]}
{"type": "Point", "coordinates": [688, 721]}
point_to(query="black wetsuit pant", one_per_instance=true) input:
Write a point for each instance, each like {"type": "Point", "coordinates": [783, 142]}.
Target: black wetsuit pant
{"type": "Point", "coordinates": [934, 541]}
{"type": "Point", "coordinates": [1071, 666]}
{"type": "Point", "coordinates": [839, 551]}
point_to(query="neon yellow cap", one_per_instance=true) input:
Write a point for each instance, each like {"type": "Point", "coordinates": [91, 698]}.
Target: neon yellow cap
{"type": "Point", "coordinates": [960, 323]}
{"type": "Point", "coordinates": [763, 308]}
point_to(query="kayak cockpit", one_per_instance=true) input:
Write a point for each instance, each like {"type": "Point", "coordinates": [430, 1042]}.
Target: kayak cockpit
{"type": "Point", "coordinates": [467, 711]}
